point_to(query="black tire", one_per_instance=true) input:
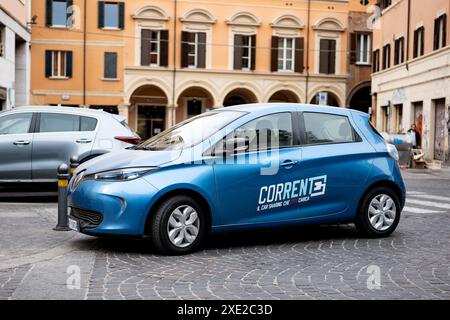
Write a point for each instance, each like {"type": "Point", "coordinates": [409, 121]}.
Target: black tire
{"type": "Point", "coordinates": [362, 221]}
{"type": "Point", "coordinates": [160, 220]}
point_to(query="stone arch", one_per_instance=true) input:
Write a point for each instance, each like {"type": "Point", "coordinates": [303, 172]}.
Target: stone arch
{"type": "Point", "coordinates": [335, 94]}
{"type": "Point", "coordinates": [250, 87]}
{"type": "Point", "coordinates": [360, 97]}
{"type": "Point", "coordinates": [244, 19]}
{"type": "Point", "coordinates": [193, 100]}
{"type": "Point", "coordinates": [200, 84]}
{"type": "Point", "coordinates": [146, 81]}
{"type": "Point", "coordinates": [199, 16]}
{"type": "Point", "coordinates": [296, 91]}
{"type": "Point", "coordinates": [284, 96]}
{"type": "Point", "coordinates": [239, 95]}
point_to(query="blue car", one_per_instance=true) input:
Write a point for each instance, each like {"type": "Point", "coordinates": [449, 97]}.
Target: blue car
{"type": "Point", "coordinates": [242, 168]}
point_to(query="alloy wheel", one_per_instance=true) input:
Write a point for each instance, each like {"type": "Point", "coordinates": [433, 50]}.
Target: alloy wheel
{"type": "Point", "coordinates": [382, 212]}
{"type": "Point", "coordinates": [183, 226]}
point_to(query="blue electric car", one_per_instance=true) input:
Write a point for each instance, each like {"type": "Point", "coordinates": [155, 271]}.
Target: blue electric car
{"type": "Point", "coordinates": [241, 168]}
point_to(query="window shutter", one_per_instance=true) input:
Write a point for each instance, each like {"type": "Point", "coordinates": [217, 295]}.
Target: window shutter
{"type": "Point", "coordinates": [324, 58]}
{"type": "Point", "coordinates": [274, 54]}
{"type": "Point", "coordinates": [253, 66]}
{"type": "Point", "coordinates": [422, 49]}
{"type": "Point", "coordinates": [332, 56]}
{"type": "Point", "coordinates": [164, 48]}
{"type": "Point", "coordinates": [69, 13]}
{"type": "Point", "coordinates": [436, 34]}
{"type": "Point", "coordinates": [201, 63]}
{"type": "Point", "coordinates": [353, 50]}
{"type": "Point", "coordinates": [121, 15]}
{"type": "Point", "coordinates": [48, 11]}
{"type": "Point", "coordinates": [396, 52]}
{"type": "Point", "coordinates": [48, 63]}
{"type": "Point", "coordinates": [238, 52]}
{"type": "Point", "coordinates": [101, 14]}
{"type": "Point", "coordinates": [444, 36]}
{"type": "Point", "coordinates": [416, 44]}
{"type": "Point", "coordinates": [184, 49]}
{"type": "Point", "coordinates": [402, 52]}
{"type": "Point", "coordinates": [299, 55]}
{"type": "Point", "coordinates": [69, 64]}
{"type": "Point", "coordinates": [110, 67]}
{"type": "Point", "coordinates": [145, 47]}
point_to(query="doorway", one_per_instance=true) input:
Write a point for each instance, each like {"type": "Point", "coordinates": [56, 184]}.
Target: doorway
{"type": "Point", "coordinates": [439, 130]}
{"type": "Point", "coordinates": [151, 120]}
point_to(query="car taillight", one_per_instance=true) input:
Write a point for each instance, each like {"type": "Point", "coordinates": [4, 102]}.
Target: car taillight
{"type": "Point", "coordinates": [131, 140]}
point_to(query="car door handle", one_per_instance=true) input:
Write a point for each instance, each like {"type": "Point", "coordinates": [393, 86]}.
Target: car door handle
{"type": "Point", "coordinates": [84, 141]}
{"type": "Point", "coordinates": [22, 143]}
{"type": "Point", "coordinates": [289, 164]}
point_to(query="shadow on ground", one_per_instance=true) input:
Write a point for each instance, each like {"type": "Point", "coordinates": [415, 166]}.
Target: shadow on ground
{"type": "Point", "coordinates": [29, 193]}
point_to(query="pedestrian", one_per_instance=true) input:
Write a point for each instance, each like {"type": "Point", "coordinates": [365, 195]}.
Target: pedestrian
{"type": "Point", "coordinates": [415, 137]}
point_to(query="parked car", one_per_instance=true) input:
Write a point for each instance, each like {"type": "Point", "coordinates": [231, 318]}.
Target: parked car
{"type": "Point", "coordinates": [35, 140]}
{"type": "Point", "coordinates": [215, 173]}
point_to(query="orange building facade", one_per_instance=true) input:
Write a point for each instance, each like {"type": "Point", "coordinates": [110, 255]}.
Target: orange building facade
{"type": "Point", "coordinates": [159, 63]}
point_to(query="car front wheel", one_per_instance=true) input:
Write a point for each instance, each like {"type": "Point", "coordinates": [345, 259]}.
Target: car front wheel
{"type": "Point", "coordinates": [379, 213]}
{"type": "Point", "coordinates": [178, 226]}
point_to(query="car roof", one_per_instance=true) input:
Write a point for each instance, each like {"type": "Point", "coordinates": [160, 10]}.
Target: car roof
{"type": "Point", "coordinates": [263, 107]}
{"type": "Point", "coordinates": [58, 109]}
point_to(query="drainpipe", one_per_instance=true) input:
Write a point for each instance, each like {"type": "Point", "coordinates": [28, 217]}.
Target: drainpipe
{"type": "Point", "coordinates": [408, 36]}
{"type": "Point", "coordinates": [84, 52]}
{"type": "Point", "coordinates": [308, 36]}
{"type": "Point", "coordinates": [174, 73]}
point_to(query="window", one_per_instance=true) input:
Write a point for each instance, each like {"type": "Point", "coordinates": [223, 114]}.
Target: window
{"type": "Point", "coordinates": [363, 48]}
{"type": "Point", "coordinates": [398, 119]}
{"type": "Point", "coordinates": [327, 56]}
{"type": "Point", "coordinates": [193, 49]}
{"type": "Point", "coordinates": [383, 4]}
{"type": "Point", "coordinates": [266, 133]}
{"type": "Point", "coordinates": [54, 122]}
{"type": "Point", "coordinates": [58, 13]}
{"type": "Point", "coordinates": [154, 47]}
{"type": "Point", "coordinates": [419, 42]}
{"type": "Point", "coordinates": [58, 64]}
{"type": "Point", "coordinates": [440, 32]}
{"type": "Point", "coordinates": [376, 60]}
{"type": "Point", "coordinates": [399, 54]}
{"type": "Point", "coordinates": [15, 123]}
{"type": "Point", "coordinates": [286, 54]}
{"type": "Point", "coordinates": [387, 56]}
{"type": "Point", "coordinates": [322, 128]}
{"type": "Point", "coordinates": [244, 52]}
{"type": "Point", "coordinates": [88, 124]}
{"type": "Point", "coordinates": [384, 119]}
{"type": "Point", "coordinates": [111, 15]}
{"type": "Point", "coordinates": [110, 68]}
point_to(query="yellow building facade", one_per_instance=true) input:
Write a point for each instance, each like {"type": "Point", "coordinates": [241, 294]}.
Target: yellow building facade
{"type": "Point", "coordinates": [160, 62]}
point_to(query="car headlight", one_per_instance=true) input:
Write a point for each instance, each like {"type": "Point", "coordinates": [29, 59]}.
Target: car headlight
{"type": "Point", "coordinates": [123, 174]}
{"type": "Point", "coordinates": [393, 152]}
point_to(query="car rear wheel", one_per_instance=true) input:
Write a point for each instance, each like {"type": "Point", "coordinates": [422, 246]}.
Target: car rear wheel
{"type": "Point", "coordinates": [178, 226]}
{"type": "Point", "coordinates": [379, 213]}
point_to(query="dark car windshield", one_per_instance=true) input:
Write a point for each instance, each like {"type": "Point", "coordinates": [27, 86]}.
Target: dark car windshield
{"type": "Point", "coordinates": [191, 131]}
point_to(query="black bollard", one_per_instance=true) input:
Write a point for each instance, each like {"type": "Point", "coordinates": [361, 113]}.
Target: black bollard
{"type": "Point", "coordinates": [74, 163]}
{"type": "Point", "coordinates": [63, 182]}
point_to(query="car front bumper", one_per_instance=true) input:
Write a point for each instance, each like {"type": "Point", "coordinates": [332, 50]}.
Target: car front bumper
{"type": "Point", "coordinates": [111, 208]}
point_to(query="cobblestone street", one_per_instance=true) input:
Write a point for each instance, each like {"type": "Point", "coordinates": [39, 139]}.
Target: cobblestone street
{"type": "Point", "coordinates": [329, 262]}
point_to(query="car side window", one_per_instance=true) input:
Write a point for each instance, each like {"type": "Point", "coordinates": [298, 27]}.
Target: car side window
{"type": "Point", "coordinates": [55, 122]}
{"type": "Point", "coordinates": [15, 123]}
{"type": "Point", "coordinates": [269, 132]}
{"type": "Point", "coordinates": [88, 124]}
{"type": "Point", "coordinates": [322, 128]}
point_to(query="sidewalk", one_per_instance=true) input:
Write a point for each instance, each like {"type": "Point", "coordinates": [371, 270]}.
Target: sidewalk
{"type": "Point", "coordinates": [443, 173]}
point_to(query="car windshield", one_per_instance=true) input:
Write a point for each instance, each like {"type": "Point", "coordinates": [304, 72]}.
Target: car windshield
{"type": "Point", "coordinates": [191, 131]}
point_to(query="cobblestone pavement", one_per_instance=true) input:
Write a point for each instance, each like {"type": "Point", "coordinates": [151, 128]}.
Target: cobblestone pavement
{"type": "Point", "coordinates": [329, 262]}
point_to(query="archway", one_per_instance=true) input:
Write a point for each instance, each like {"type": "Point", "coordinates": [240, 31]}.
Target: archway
{"type": "Point", "coordinates": [361, 98]}
{"type": "Point", "coordinates": [148, 110]}
{"type": "Point", "coordinates": [328, 99]}
{"type": "Point", "coordinates": [239, 96]}
{"type": "Point", "coordinates": [284, 96]}
{"type": "Point", "coordinates": [193, 101]}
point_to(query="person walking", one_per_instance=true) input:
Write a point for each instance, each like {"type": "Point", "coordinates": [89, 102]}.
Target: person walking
{"type": "Point", "coordinates": [415, 137]}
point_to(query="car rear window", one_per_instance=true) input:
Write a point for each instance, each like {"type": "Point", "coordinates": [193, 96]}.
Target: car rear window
{"type": "Point", "coordinates": [88, 124]}
{"type": "Point", "coordinates": [59, 122]}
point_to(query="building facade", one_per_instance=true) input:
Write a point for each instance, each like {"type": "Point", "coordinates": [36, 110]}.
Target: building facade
{"type": "Point", "coordinates": [159, 63]}
{"type": "Point", "coordinates": [14, 53]}
{"type": "Point", "coordinates": [411, 79]}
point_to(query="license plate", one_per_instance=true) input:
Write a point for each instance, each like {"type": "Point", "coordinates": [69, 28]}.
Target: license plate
{"type": "Point", "coordinates": [74, 225]}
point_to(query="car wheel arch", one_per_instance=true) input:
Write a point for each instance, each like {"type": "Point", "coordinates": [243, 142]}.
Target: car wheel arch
{"type": "Point", "coordinates": [383, 183]}
{"type": "Point", "coordinates": [186, 192]}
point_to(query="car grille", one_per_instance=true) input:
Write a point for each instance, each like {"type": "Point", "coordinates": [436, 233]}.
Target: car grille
{"type": "Point", "coordinates": [88, 219]}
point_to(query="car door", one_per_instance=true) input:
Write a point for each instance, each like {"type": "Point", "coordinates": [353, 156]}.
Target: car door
{"type": "Point", "coordinates": [16, 142]}
{"type": "Point", "coordinates": [335, 159]}
{"type": "Point", "coordinates": [250, 181]}
{"type": "Point", "coordinates": [58, 137]}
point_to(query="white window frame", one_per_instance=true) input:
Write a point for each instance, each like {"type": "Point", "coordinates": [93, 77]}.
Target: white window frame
{"type": "Point", "coordinates": [158, 47]}
{"type": "Point", "coordinates": [284, 58]}
{"type": "Point", "coordinates": [57, 54]}
{"type": "Point", "coordinates": [249, 57]}
{"type": "Point", "coordinates": [195, 54]}
{"type": "Point", "coordinates": [362, 37]}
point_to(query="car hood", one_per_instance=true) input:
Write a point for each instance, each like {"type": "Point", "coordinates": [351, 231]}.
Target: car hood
{"type": "Point", "coordinates": [128, 159]}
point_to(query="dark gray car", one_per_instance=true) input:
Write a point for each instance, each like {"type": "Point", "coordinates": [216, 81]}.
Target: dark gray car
{"type": "Point", "coordinates": [34, 141]}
